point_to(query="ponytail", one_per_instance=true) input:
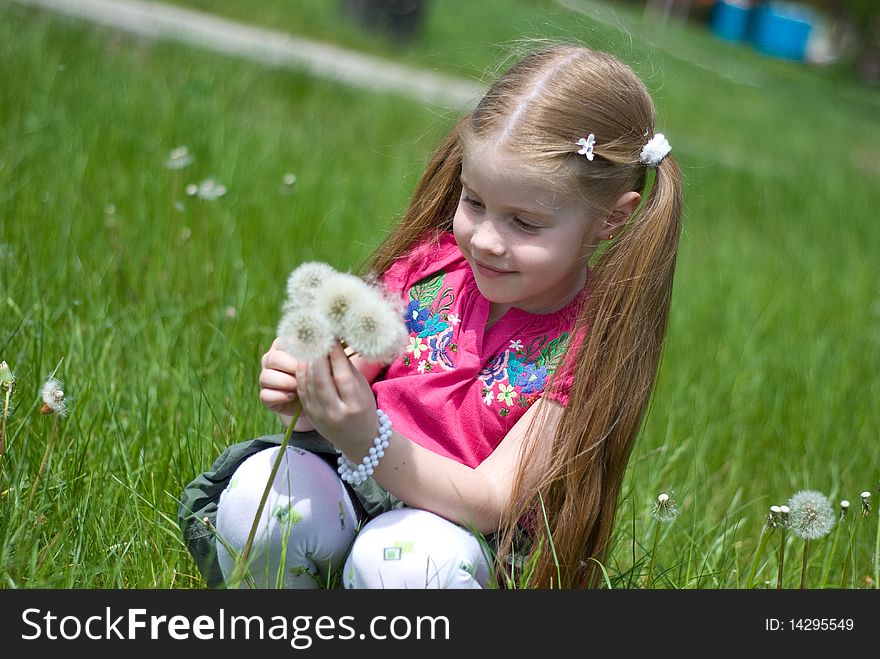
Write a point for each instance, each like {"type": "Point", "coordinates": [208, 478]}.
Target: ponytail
{"type": "Point", "coordinates": [623, 325]}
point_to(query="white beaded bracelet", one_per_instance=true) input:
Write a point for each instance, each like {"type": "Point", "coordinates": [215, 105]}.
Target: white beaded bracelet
{"type": "Point", "coordinates": [358, 474]}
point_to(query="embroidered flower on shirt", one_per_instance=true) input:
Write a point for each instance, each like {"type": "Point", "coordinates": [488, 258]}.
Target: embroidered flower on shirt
{"type": "Point", "coordinates": [494, 372]}
{"type": "Point", "coordinates": [452, 319]}
{"type": "Point", "coordinates": [433, 326]}
{"type": "Point", "coordinates": [516, 346]}
{"type": "Point", "coordinates": [424, 365]}
{"type": "Point", "coordinates": [532, 378]}
{"type": "Point", "coordinates": [415, 316]}
{"type": "Point", "coordinates": [438, 344]}
{"type": "Point", "coordinates": [506, 393]}
{"type": "Point", "coordinates": [416, 347]}
{"type": "Point", "coordinates": [488, 397]}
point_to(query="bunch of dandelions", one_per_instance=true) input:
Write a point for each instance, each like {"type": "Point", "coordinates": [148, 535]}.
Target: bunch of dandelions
{"type": "Point", "coordinates": [321, 307]}
{"type": "Point", "coordinates": [665, 511]}
{"type": "Point", "coordinates": [811, 517]}
{"type": "Point", "coordinates": [324, 306]}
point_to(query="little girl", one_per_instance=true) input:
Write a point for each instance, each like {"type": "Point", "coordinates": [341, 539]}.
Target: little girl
{"type": "Point", "coordinates": [512, 414]}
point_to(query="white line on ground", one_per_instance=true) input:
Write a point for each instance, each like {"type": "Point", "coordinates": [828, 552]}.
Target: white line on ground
{"type": "Point", "coordinates": [160, 21]}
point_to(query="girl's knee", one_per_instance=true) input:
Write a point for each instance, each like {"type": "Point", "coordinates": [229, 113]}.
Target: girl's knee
{"type": "Point", "coordinates": [308, 519]}
{"type": "Point", "coordinates": [413, 548]}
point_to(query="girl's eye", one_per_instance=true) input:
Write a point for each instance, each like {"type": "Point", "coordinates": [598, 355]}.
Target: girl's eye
{"type": "Point", "coordinates": [525, 226]}
{"type": "Point", "coordinates": [473, 203]}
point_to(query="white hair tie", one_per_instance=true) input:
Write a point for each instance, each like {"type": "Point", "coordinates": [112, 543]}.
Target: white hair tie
{"type": "Point", "coordinates": [655, 151]}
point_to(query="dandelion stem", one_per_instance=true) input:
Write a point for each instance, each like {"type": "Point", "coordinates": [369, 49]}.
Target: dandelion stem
{"type": "Point", "coordinates": [877, 552]}
{"type": "Point", "coordinates": [43, 462]}
{"type": "Point", "coordinates": [781, 560]}
{"type": "Point", "coordinates": [804, 566]}
{"type": "Point", "coordinates": [3, 416]}
{"type": "Point", "coordinates": [762, 543]}
{"type": "Point", "coordinates": [241, 564]}
{"type": "Point", "coordinates": [650, 579]}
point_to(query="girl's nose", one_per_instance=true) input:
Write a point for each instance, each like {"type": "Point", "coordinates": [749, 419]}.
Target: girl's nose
{"type": "Point", "coordinates": [486, 239]}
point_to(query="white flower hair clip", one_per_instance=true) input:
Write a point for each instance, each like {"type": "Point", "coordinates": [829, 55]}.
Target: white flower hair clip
{"type": "Point", "coordinates": [655, 151]}
{"type": "Point", "coordinates": [586, 144]}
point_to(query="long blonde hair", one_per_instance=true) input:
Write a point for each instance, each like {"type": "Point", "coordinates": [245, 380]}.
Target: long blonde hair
{"type": "Point", "coordinates": [539, 109]}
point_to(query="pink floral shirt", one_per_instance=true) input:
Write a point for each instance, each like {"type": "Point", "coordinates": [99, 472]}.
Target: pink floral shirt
{"type": "Point", "coordinates": [459, 388]}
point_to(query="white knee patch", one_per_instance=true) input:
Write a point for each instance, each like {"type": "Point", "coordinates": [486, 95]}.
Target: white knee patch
{"type": "Point", "coordinates": [411, 548]}
{"type": "Point", "coordinates": [307, 524]}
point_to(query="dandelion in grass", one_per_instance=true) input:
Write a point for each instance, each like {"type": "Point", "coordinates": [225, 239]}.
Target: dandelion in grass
{"type": "Point", "coordinates": [209, 190]}
{"type": "Point", "coordinates": [866, 503]}
{"type": "Point", "coordinates": [192, 190]}
{"type": "Point", "coordinates": [179, 158]}
{"type": "Point", "coordinates": [771, 522]}
{"type": "Point", "coordinates": [375, 329]}
{"type": "Point", "coordinates": [305, 335]}
{"type": "Point", "coordinates": [844, 508]}
{"type": "Point", "coordinates": [665, 510]}
{"type": "Point", "coordinates": [811, 518]}
{"type": "Point", "coordinates": [7, 387]}
{"type": "Point", "coordinates": [289, 180]}
{"type": "Point", "coordinates": [53, 398]}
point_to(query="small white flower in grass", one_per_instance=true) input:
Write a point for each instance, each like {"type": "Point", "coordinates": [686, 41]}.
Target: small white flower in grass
{"type": "Point", "coordinates": [179, 158]}
{"type": "Point", "coordinates": [304, 282]}
{"type": "Point", "coordinates": [53, 398]}
{"type": "Point", "coordinates": [665, 509]}
{"type": "Point", "coordinates": [305, 335]}
{"type": "Point", "coordinates": [336, 294]}
{"type": "Point", "coordinates": [844, 508]}
{"type": "Point", "coordinates": [811, 515]}
{"type": "Point", "coordinates": [374, 328]}
{"type": "Point", "coordinates": [289, 179]}
{"type": "Point", "coordinates": [192, 190]}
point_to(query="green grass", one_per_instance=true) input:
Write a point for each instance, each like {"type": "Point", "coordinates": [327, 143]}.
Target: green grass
{"type": "Point", "coordinates": [156, 316]}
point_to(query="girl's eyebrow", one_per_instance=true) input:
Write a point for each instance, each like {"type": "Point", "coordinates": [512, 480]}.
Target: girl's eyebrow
{"type": "Point", "coordinates": [540, 211]}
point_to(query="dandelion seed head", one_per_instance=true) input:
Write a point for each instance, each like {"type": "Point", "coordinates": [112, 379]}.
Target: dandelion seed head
{"type": "Point", "coordinates": [784, 510]}
{"type": "Point", "coordinates": [289, 179]}
{"type": "Point", "coordinates": [305, 335]}
{"type": "Point", "coordinates": [775, 509]}
{"type": "Point", "coordinates": [336, 294]}
{"type": "Point", "coordinates": [865, 494]}
{"type": "Point", "coordinates": [303, 283]}
{"type": "Point", "coordinates": [53, 397]}
{"type": "Point", "coordinates": [179, 158]}
{"type": "Point", "coordinates": [209, 190]}
{"type": "Point", "coordinates": [811, 516]}
{"type": "Point", "coordinates": [665, 509]}
{"type": "Point", "coordinates": [844, 504]}
{"type": "Point", "coordinates": [375, 328]}
{"type": "Point", "coordinates": [192, 190]}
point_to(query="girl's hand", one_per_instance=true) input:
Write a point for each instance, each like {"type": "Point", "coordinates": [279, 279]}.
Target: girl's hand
{"type": "Point", "coordinates": [339, 402]}
{"type": "Point", "coordinates": [278, 386]}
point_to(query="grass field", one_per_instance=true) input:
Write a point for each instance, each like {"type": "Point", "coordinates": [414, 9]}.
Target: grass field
{"type": "Point", "coordinates": [153, 307]}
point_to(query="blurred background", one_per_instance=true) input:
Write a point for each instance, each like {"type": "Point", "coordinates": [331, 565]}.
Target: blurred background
{"type": "Point", "coordinates": [163, 167]}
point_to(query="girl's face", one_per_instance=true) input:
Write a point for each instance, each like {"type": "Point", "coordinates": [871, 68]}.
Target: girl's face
{"type": "Point", "coordinates": [527, 245]}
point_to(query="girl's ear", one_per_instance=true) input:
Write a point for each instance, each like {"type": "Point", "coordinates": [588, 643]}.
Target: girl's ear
{"type": "Point", "coordinates": [623, 208]}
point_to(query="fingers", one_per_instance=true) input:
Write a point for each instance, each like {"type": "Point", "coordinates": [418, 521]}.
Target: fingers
{"type": "Point", "coordinates": [342, 371]}
{"type": "Point", "coordinates": [278, 360]}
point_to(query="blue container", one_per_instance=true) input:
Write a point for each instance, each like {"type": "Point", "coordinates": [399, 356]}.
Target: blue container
{"type": "Point", "coordinates": [729, 21]}
{"type": "Point", "coordinates": [781, 29]}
